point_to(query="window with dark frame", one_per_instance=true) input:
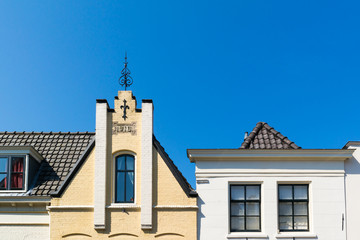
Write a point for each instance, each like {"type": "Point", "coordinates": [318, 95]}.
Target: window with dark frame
{"type": "Point", "coordinates": [245, 208]}
{"type": "Point", "coordinates": [293, 207]}
{"type": "Point", "coordinates": [124, 178]}
{"type": "Point", "coordinates": [12, 168]}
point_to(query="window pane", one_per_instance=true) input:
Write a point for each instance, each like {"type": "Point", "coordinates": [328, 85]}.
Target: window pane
{"type": "Point", "coordinates": [120, 162]}
{"type": "Point", "coordinates": [300, 192]}
{"type": "Point", "coordinates": [3, 164]}
{"type": "Point", "coordinates": [237, 209]}
{"type": "Point", "coordinates": [252, 208]}
{"type": "Point", "coordinates": [120, 187]}
{"type": "Point", "coordinates": [285, 192]}
{"type": "Point", "coordinates": [252, 192]}
{"type": "Point", "coordinates": [252, 223]}
{"type": "Point", "coordinates": [300, 208]}
{"type": "Point", "coordinates": [3, 181]}
{"type": "Point", "coordinates": [237, 224]}
{"type": "Point", "coordinates": [129, 162]}
{"type": "Point", "coordinates": [285, 223]}
{"type": "Point", "coordinates": [237, 192]}
{"type": "Point", "coordinates": [17, 164]}
{"type": "Point", "coordinates": [300, 223]}
{"type": "Point", "coordinates": [285, 208]}
{"type": "Point", "coordinates": [130, 187]}
{"type": "Point", "coordinates": [16, 181]}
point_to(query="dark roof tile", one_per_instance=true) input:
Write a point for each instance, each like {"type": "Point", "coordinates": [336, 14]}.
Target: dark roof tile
{"type": "Point", "coordinates": [265, 137]}
{"type": "Point", "coordinates": [55, 148]}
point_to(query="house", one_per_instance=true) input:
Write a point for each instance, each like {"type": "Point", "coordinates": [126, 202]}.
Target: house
{"type": "Point", "coordinates": [270, 188]}
{"type": "Point", "coordinates": [116, 183]}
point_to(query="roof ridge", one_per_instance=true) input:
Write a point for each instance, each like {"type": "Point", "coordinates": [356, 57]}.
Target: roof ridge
{"type": "Point", "coordinates": [252, 135]}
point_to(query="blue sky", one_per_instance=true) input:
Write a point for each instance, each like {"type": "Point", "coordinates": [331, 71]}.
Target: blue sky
{"type": "Point", "coordinates": [213, 69]}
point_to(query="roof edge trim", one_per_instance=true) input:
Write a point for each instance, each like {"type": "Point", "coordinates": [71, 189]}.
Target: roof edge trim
{"type": "Point", "coordinates": [26, 149]}
{"type": "Point", "coordinates": [101, 101]}
{"type": "Point", "coordinates": [190, 192]}
{"type": "Point", "coordinates": [74, 170]}
{"type": "Point", "coordinates": [351, 143]}
{"type": "Point", "coordinates": [269, 154]}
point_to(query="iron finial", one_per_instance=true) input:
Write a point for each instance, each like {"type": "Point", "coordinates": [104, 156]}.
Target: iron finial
{"type": "Point", "coordinates": [125, 79]}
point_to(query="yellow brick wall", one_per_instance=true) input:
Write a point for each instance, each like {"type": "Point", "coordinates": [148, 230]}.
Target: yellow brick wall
{"type": "Point", "coordinates": [81, 189]}
{"type": "Point", "coordinates": [169, 222]}
{"type": "Point", "coordinates": [169, 192]}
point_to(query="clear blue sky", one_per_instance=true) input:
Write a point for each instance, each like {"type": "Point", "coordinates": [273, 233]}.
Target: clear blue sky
{"type": "Point", "coordinates": [213, 68]}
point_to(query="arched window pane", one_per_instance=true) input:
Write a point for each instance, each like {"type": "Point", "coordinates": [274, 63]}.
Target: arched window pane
{"type": "Point", "coordinates": [129, 162]}
{"type": "Point", "coordinates": [130, 187]}
{"type": "Point", "coordinates": [120, 162]}
{"type": "Point", "coordinates": [120, 187]}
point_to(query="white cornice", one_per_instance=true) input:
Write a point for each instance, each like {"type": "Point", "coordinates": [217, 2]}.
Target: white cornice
{"type": "Point", "coordinates": [176, 207]}
{"type": "Point", "coordinates": [21, 199]}
{"type": "Point", "coordinates": [12, 150]}
{"type": "Point", "coordinates": [70, 207]}
{"type": "Point", "coordinates": [263, 155]}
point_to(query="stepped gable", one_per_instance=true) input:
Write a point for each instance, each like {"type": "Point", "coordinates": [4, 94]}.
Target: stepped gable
{"type": "Point", "coordinates": [264, 136]}
{"type": "Point", "coordinates": [60, 150]}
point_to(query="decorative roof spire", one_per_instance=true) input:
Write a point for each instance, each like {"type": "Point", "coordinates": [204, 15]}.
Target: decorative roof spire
{"type": "Point", "coordinates": [125, 79]}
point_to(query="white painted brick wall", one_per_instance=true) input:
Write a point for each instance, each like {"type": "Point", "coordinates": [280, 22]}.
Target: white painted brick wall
{"type": "Point", "coordinates": [352, 168]}
{"type": "Point", "coordinates": [28, 232]}
{"type": "Point", "coordinates": [100, 165]}
{"type": "Point", "coordinates": [326, 197]}
{"type": "Point", "coordinates": [146, 165]}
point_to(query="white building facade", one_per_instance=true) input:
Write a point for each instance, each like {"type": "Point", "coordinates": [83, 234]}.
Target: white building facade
{"type": "Point", "coordinates": [272, 189]}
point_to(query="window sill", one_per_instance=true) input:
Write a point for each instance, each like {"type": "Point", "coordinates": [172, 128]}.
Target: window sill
{"type": "Point", "coordinates": [13, 191]}
{"type": "Point", "coordinates": [122, 206]}
{"type": "Point", "coordinates": [296, 234]}
{"type": "Point", "coordinates": [247, 235]}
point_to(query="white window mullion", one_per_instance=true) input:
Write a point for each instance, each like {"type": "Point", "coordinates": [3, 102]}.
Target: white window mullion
{"type": "Point", "coordinates": [26, 173]}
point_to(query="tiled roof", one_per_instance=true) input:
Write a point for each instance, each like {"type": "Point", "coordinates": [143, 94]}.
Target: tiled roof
{"type": "Point", "coordinates": [175, 171]}
{"type": "Point", "coordinates": [60, 151]}
{"type": "Point", "coordinates": [63, 153]}
{"type": "Point", "coordinates": [265, 137]}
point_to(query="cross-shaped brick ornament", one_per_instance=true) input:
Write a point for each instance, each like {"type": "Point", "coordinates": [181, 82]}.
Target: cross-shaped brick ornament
{"type": "Point", "coordinates": [124, 107]}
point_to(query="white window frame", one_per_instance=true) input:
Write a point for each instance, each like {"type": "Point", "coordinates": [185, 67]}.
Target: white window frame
{"type": "Point", "coordinates": [249, 234]}
{"type": "Point", "coordinates": [25, 173]}
{"type": "Point", "coordinates": [26, 151]}
{"type": "Point", "coordinates": [310, 209]}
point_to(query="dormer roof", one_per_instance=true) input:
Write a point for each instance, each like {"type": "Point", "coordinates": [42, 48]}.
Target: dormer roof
{"type": "Point", "coordinates": [61, 151]}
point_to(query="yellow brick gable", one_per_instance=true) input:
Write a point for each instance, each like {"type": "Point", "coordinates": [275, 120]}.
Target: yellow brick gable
{"type": "Point", "coordinates": [174, 212]}
{"type": "Point", "coordinates": [169, 191]}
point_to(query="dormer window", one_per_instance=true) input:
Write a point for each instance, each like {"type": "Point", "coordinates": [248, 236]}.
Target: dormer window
{"type": "Point", "coordinates": [18, 168]}
{"type": "Point", "coordinates": [12, 172]}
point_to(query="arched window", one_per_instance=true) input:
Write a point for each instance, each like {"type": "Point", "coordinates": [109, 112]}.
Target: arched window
{"type": "Point", "coordinates": [124, 178]}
